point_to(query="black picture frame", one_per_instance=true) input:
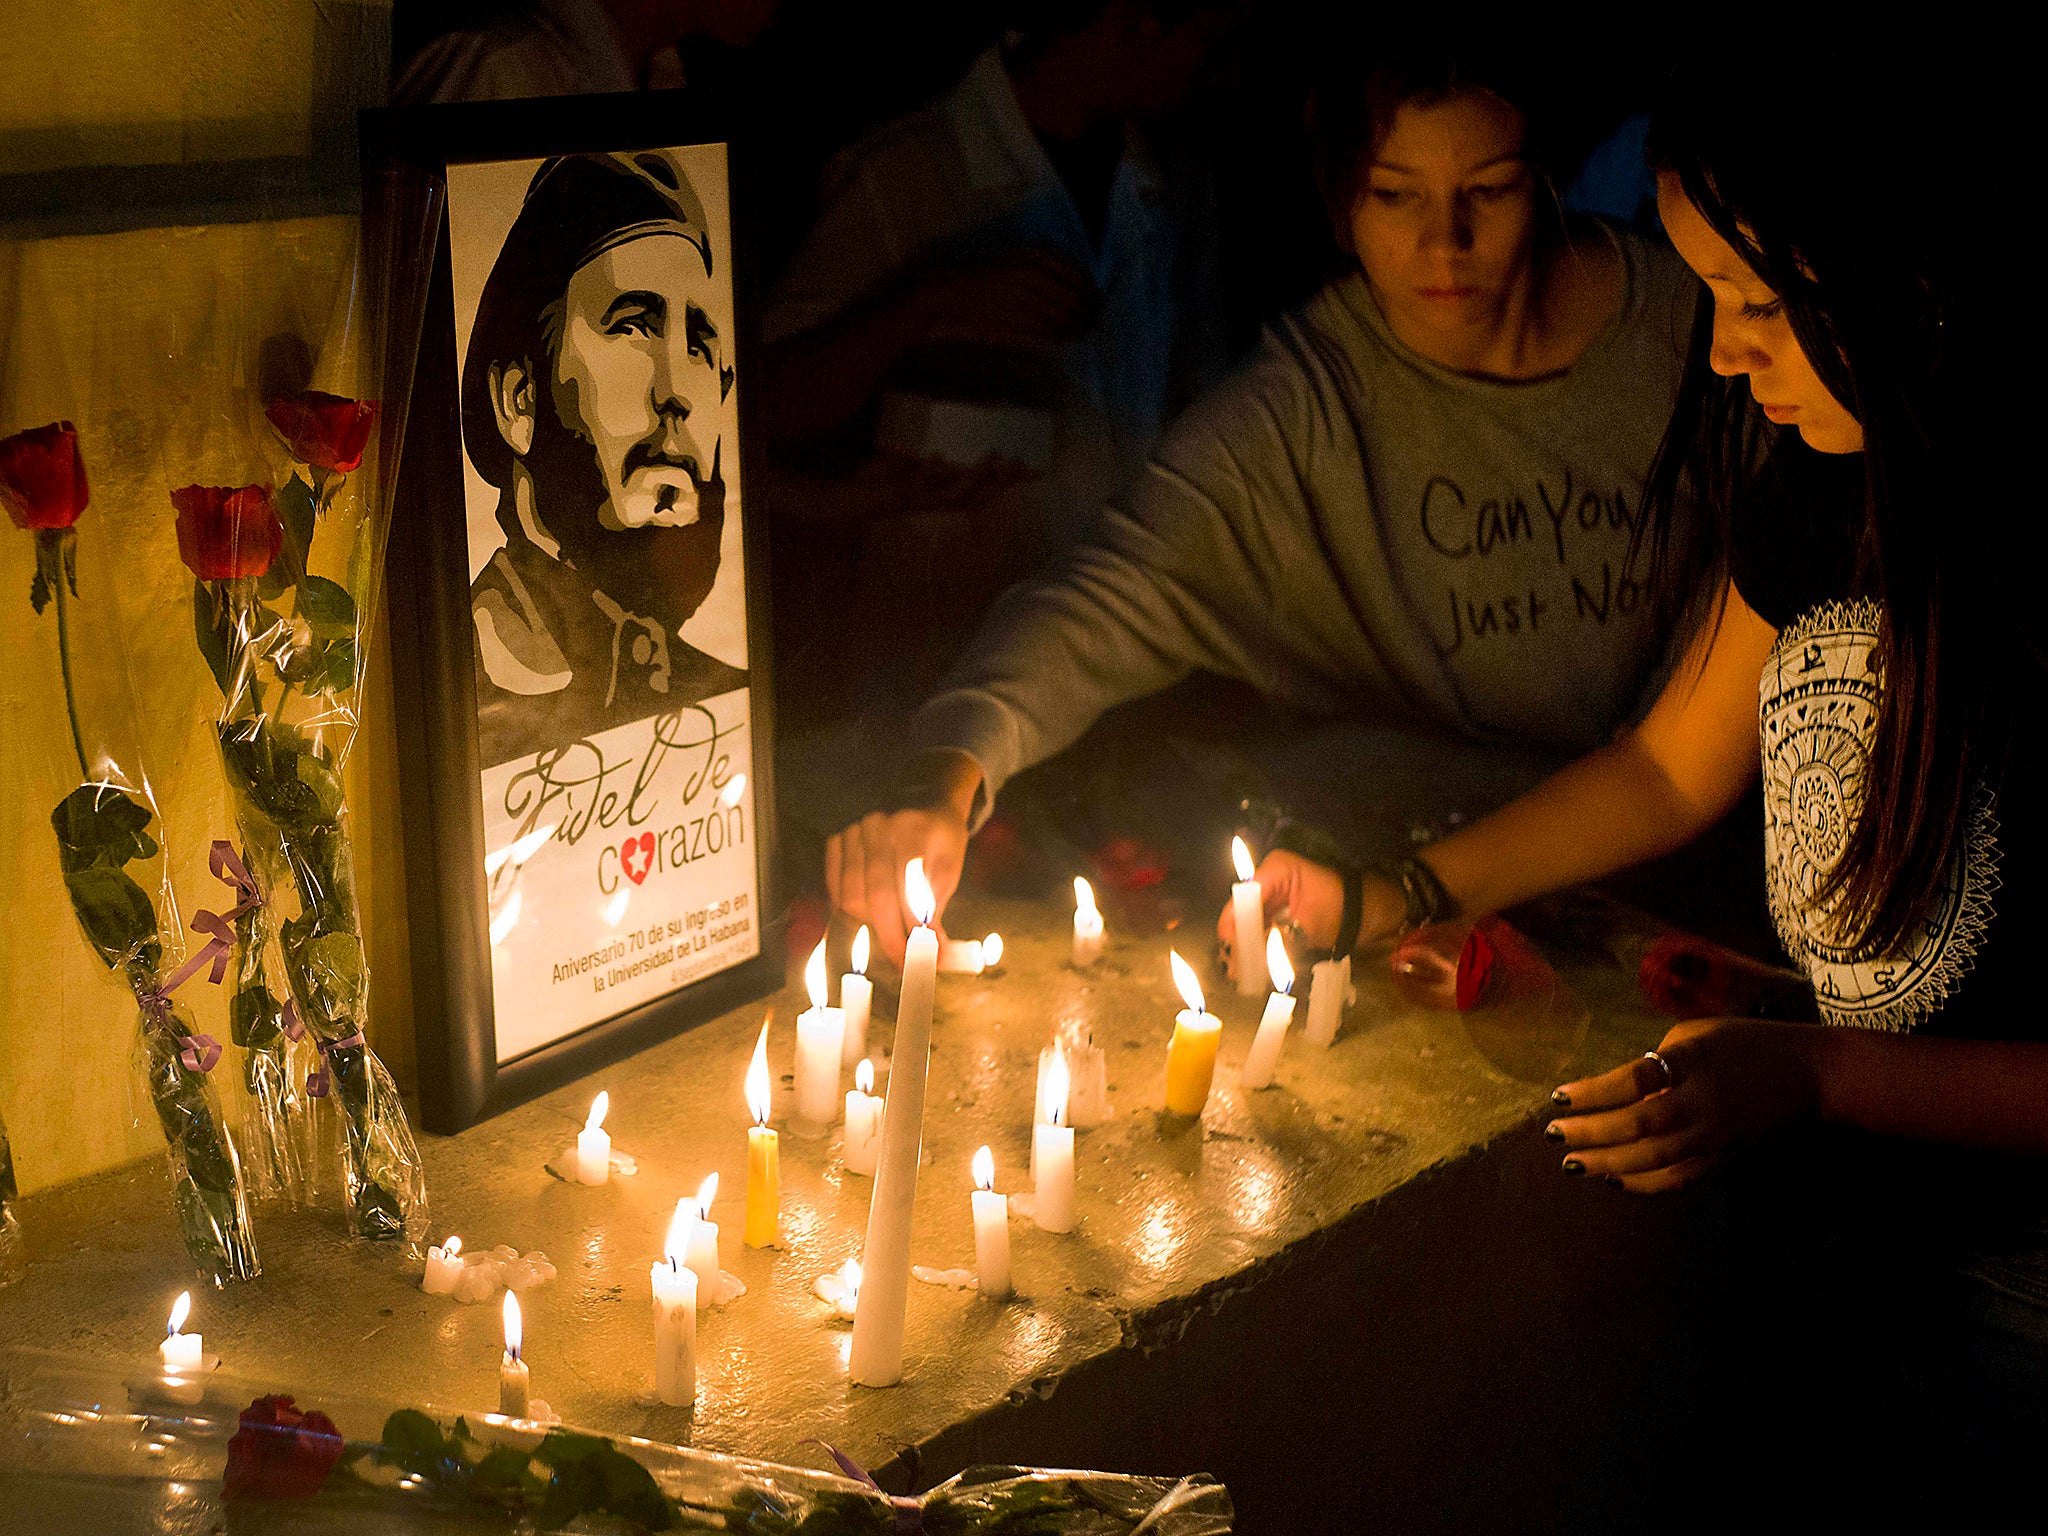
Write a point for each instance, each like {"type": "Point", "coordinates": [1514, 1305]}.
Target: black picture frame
{"type": "Point", "coordinates": [461, 1080]}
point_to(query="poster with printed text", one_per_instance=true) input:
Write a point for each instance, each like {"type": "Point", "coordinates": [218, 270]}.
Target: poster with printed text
{"type": "Point", "coordinates": [593, 333]}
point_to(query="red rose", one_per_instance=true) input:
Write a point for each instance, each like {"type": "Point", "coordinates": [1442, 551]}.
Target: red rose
{"type": "Point", "coordinates": [1475, 970]}
{"type": "Point", "coordinates": [279, 1452]}
{"type": "Point", "coordinates": [325, 431]}
{"type": "Point", "coordinates": [42, 477]}
{"type": "Point", "coordinates": [1125, 864]}
{"type": "Point", "coordinates": [227, 531]}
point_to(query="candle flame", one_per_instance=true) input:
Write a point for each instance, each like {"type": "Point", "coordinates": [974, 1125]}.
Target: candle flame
{"type": "Point", "coordinates": [860, 951]}
{"type": "Point", "coordinates": [451, 1248]}
{"type": "Point", "coordinates": [599, 1108]}
{"type": "Point", "coordinates": [1241, 856]}
{"type": "Point", "coordinates": [515, 1326]}
{"type": "Point", "coordinates": [864, 1076]}
{"type": "Point", "coordinates": [180, 1310]}
{"type": "Point", "coordinates": [1084, 895]}
{"type": "Point", "coordinates": [1056, 1087]}
{"type": "Point", "coordinates": [1278, 966]}
{"type": "Point", "coordinates": [814, 975]}
{"type": "Point", "coordinates": [706, 1193]}
{"type": "Point", "coordinates": [918, 891]}
{"type": "Point", "coordinates": [992, 951]}
{"type": "Point", "coordinates": [677, 1248]}
{"type": "Point", "coordinates": [984, 1169]}
{"type": "Point", "coordinates": [734, 788]}
{"type": "Point", "coordinates": [757, 1077]}
{"type": "Point", "coordinates": [1185, 979]}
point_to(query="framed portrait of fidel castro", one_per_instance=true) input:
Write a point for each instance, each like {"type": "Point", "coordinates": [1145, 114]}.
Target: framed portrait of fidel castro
{"type": "Point", "coordinates": [578, 596]}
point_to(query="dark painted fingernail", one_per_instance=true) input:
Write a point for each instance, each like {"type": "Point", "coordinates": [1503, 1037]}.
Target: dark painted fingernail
{"type": "Point", "coordinates": [1574, 1167]}
{"type": "Point", "coordinates": [1560, 1098]}
{"type": "Point", "coordinates": [1553, 1132]}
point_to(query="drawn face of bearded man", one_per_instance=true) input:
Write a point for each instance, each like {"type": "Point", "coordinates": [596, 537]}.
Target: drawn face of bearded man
{"type": "Point", "coordinates": [623, 440]}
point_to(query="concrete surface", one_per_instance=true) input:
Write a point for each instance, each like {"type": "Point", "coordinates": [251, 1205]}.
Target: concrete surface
{"type": "Point", "coordinates": [1311, 1212]}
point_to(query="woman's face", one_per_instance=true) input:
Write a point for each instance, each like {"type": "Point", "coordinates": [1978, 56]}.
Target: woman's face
{"type": "Point", "coordinates": [1753, 334]}
{"type": "Point", "coordinates": [1443, 222]}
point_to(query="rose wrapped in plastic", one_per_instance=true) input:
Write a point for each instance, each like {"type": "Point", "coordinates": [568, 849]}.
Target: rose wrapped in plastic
{"type": "Point", "coordinates": [279, 1452]}
{"type": "Point", "coordinates": [283, 644]}
{"type": "Point", "coordinates": [101, 828]}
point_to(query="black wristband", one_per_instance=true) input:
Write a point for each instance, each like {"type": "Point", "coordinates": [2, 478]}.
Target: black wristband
{"type": "Point", "coordinates": [1423, 897]}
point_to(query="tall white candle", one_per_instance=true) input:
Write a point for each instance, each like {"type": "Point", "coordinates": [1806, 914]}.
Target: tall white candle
{"type": "Point", "coordinates": [444, 1268]}
{"type": "Point", "coordinates": [1265, 1052]}
{"type": "Point", "coordinates": [1052, 1156]}
{"type": "Point", "coordinates": [593, 1145]}
{"type": "Point", "coordinates": [514, 1394]}
{"type": "Point", "coordinates": [702, 1254]}
{"type": "Point", "coordinates": [820, 1038]}
{"type": "Point", "coordinates": [876, 1359]}
{"type": "Point", "coordinates": [675, 1314]}
{"type": "Point", "coordinates": [1248, 908]}
{"type": "Point", "coordinates": [991, 1229]}
{"type": "Point", "coordinates": [184, 1354]}
{"type": "Point", "coordinates": [1087, 925]}
{"type": "Point", "coordinates": [863, 1120]}
{"type": "Point", "coordinates": [856, 998]}
{"type": "Point", "coordinates": [1329, 985]}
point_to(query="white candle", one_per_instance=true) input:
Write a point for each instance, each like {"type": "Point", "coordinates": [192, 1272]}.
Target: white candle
{"type": "Point", "coordinates": [1248, 907]}
{"type": "Point", "coordinates": [1328, 987]}
{"type": "Point", "coordinates": [764, 1156]}
{"type": "Point", "coordinates": [856, 998]}
{"type": "Point", "coordinates": [675, 1314]}
{"type": "Point", "coordinates": [876, 1359]}
{"type": "Point", "coordinates": [1052, 1156]}
{"type": "Point", "coordinates": [593, 1145]}
{"type": "Point", "coordinates": [1191, 1057]}
{"type": "Point", "coordinates": [863, 1120]}
{"type": "Point", "coordinates": [1087, 925]}
{"type": "Point", "coordinates": [961, 957]}
{"type": "Point", "coordinates": [1087, 1077]}
{"type": "Point", "coordinates": [702, 1254]}
{"type": "Point", "coordinates": [991, 1229]}
{"type": "Point", "coordinates": [514, 1395]}
{"type": "Point", "coordinates": [444, 1269]}
{"type": "Point", "coordinates": [1265, 1052]}
{"type": "Point", "coordinates": [184, 1353]}
{"type": "Point", "coordinates": [820, 1038]}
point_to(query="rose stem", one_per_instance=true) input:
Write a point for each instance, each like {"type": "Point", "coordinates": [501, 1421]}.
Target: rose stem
{"type": "Point", "coordinates": [64, 661]}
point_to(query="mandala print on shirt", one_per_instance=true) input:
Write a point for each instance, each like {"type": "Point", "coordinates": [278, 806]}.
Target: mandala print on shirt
{"type": "Point", "coordinates": [1818, 705]}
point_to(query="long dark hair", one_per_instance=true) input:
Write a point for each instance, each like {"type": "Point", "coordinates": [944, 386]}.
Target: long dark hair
{"type": "Point", "coordinates": [1841, 178]}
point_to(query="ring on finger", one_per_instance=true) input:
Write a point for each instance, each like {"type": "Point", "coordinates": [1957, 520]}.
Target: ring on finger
{"type": "Point", "coordinates": [1670, 1078]}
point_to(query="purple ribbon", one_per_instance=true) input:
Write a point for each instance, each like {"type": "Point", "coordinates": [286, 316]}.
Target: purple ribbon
{"type": "Point", "coordinates": [319, 1080]}
{"type": "Point", "coordinates": [200, 1053]}
{"type": "Point", "coordinates": [294, 1028]}
{"type": "Point", "coordinates": [227, 866]}
{"type": "Point", "coordinates": [909, 1512]}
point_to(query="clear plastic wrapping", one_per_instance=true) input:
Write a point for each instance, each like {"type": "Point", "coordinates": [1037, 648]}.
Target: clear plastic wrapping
{"type": "Point", "coordinates": [143, 1452]}
{"type": "Point", "coordinates": [108, 843]}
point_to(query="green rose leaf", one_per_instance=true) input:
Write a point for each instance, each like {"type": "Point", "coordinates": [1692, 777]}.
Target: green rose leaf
{"type": "Point", "coordinates": [323, 783]}
{"type": "Point", "coordinates": [593, 1476]}
{"type": "Point", "coordinates": [294, 507]}
{"type": "Point", "coordinates": [211, 628]}
{"type": "Point", "coordinates": [328, 968]}
{"type": "Point", "coordinates": [254, 1016]}
{"type": "Point", "coordinates": [99, 825]}
{"type": "Point", "coordinates": [117, 915]}
{"type": "Point", "coordinates": [340, 658]}
{"type": "Point", "coordinates": [327, 606]}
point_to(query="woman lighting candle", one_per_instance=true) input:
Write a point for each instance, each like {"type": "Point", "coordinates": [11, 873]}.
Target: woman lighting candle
{"type": "Point", "coordinates": [1191, 1058]}
{"type": "Point", "coordinates": [1087, 925]}
{"type": "Point", "coordinates": [820, 1040]}
{"type": "Point", "coordinates": [991, 1229]}
{"type": "Point", "coordinates": [1248, 906]}
{"type": "Point", "coordinates": [675, 1314]}
{"type": "Point", "coordinates": [876, 1359]}
{"type": "Point", "coordinates": [764, 1158]}
{"type": "Point", "coordinates": [856, 998]}
{"type": "Point", "coordinates": [593, 1145]}
{"type": "Point", "coordinates": [1265, 1051]}
{"type": "Point", "coordinates": [514, 1394]}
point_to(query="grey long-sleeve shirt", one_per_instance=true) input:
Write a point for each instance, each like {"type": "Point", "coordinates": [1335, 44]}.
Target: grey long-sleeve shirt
{"type": "Point", "coordinates": [1353, 529]}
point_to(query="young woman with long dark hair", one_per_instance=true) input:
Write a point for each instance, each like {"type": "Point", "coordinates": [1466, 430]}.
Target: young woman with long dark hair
{"type": "Point", "coordinates": [1862, 630]}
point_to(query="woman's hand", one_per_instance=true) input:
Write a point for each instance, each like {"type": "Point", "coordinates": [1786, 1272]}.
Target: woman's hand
{"type": "Point", "coordinates": [1311, 896]}
{"type": "Point", "coordinates": [1731, 1082]}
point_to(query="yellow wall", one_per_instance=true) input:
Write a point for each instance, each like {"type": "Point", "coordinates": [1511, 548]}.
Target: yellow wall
{"type": "Point", "coordinates": [85, 325]}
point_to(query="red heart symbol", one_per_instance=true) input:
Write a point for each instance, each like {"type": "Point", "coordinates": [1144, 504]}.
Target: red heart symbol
{"type": "Point", "coordinates": [636, 857]}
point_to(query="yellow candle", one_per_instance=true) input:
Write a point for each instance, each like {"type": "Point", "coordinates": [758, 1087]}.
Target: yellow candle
{"type": "Point", "coordinates": [764, 1159]}
{"type": "Point", "coordinates": [1191, 1058]}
